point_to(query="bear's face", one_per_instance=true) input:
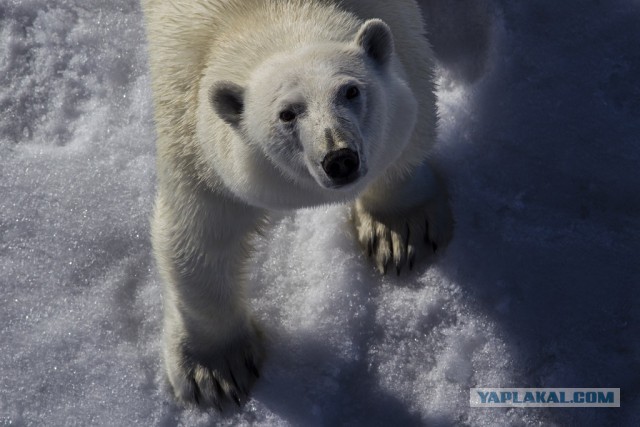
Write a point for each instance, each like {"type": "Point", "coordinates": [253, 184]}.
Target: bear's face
{"type": "Point", "coordinates": [320, 114]}
{"type": "Point", "coordinates": [310, 113]}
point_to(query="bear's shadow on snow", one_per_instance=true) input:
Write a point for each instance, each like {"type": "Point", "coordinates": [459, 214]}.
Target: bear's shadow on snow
{"type": "Point", "coordinates": [541, 247]}
{"type": "Point", "coordinates": [329, 391]}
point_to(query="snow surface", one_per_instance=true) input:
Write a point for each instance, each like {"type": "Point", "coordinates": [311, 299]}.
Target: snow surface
{"type": "Point", "coordinates": [540, 136]}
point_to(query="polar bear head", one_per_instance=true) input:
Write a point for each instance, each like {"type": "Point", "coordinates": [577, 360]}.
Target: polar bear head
{"type": "Point", "coordinates": [326, 116]}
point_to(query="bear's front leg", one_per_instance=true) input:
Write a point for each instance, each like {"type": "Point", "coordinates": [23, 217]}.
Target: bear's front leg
{"type": "Point", "coordinates": [398, 220]}
{"type": "Point", "coordinates": [212, 348]}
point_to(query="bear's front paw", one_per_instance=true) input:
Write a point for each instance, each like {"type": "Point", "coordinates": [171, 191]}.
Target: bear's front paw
{"type": "Point", "coordinates": [217, 375]}
{"type": "Point", "coordinates": [398, 239]}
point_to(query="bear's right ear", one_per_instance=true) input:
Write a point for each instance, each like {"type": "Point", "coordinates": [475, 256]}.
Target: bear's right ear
{"type": "Point", "coordinates": [227, 99]}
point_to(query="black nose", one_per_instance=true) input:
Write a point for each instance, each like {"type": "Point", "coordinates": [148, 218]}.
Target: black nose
{"type": "Point", "coordinates": [341, 165]}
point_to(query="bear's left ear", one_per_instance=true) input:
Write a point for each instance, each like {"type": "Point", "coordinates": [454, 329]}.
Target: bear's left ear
{"type": "Point", "coordinates": [227, 99]}
{"type": "Point", "coordinates": [374, 36]}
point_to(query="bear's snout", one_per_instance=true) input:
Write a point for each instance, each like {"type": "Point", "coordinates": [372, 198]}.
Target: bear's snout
{"type": "Point", "coordinates": [342, 166]}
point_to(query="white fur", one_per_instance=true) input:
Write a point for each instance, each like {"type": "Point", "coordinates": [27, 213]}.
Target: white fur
{"type": "Point", "coordinates": [223, 72]}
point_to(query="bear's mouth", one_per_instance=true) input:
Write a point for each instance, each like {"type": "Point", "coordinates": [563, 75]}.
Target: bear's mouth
{"type": "Point", "coordinates": [343, 182]}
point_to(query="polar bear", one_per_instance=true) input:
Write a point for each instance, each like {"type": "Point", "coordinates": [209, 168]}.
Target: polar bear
{"type": "Point", "coordinates": [272, 105]}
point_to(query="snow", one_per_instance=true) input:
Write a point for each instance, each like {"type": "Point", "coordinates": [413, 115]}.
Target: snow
{"type": "Point", "coordinates": [540, 107]}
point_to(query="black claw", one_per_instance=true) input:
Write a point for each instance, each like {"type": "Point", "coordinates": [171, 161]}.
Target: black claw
{"type": "Point", "coordinates": [435, 247]}
{"type": "Point", "coordinates": [252, 368]}
{"type": "Point", "coordinates": [386, 263]}
{"type": "Point", "coordinates": [411, 263]}
{"type": "Point", "coordinates": [219, 390]}
{"type": "Point", "coordinates": [370, 248]}
{"type": "Point", "coordinates": [235, 398]}
{"type": "Point", "coordinates": [218, 393]}
{"type": "Point", "coordinates": [398, 270]}
{"type": "Point", "coordinates": [235, 384]}
{"type": "Point", "coordinates": [426, 232]}
{"type": "Point", "coordinates": [196, 392]}
{"type": "Point", "coordinates": [233, 378]}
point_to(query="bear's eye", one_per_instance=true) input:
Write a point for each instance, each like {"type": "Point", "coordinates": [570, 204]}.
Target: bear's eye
{"type": "Point", "coordinates": [352, 92]}
{"type": "Point", "coordinates": [287, 116]}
